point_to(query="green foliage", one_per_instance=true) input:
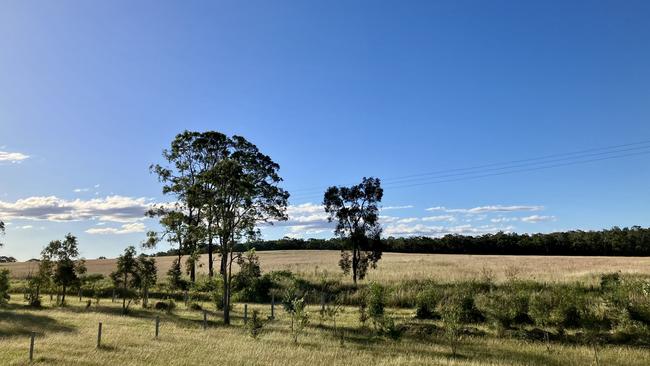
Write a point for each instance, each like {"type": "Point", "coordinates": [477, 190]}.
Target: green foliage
{"type": "Point", "coordinates": [175, 277]}
{"type": "Point", "coordinates": [503, 307]}
{"type": "Point", "coordinates": [168, 305]}
{"type": "Point", "coordinates": [452, 308]}
{"type": "Point", "coordinates": [356, 212]}
{"type": "Point", "coordinates": [255, 324]}
{"type": "Point", "coordinates": [63, 255]}
{"type": "Point", "coordinates": [390, 329]}
{"type": "Point", "coordinates": [296, 308]}
{"type": "Point", "coordinates": [246, 281]}
{"type": "Point", "coordinates": [376, 303]}
{"type": "Point", "coordinates": [125, 277]}
{"type": "Point", "coordinates": [427, 301]}
{"type": "Point", "coordinates": [363, 314]}
{"type": "Point", "coordinates": [4, 286]}
{"type": "Point", "coordinates": [556, 306]}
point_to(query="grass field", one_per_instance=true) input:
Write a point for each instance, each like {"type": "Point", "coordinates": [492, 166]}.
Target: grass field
{"type": "Point", "coordinates": [68, 336]}
{"type": "Point", "coordinates": [396, 267]}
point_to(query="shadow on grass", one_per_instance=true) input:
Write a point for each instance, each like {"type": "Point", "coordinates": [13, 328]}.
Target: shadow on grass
{"type": "Point", "coordinates": [22, 324]}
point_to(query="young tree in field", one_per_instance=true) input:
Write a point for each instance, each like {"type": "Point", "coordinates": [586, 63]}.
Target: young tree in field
{"type": "Point", "coordinates": [124, 275]}
{"type": "Point", "coordinates": [64, 255]}
{"type": "Point", "coordinates": [356, 212]}
{"type": "Point", "coordinates": [146, 276]}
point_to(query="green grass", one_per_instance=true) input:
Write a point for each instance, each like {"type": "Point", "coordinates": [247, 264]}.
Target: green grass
{"type": "Point", "coordinates": [68, 336]}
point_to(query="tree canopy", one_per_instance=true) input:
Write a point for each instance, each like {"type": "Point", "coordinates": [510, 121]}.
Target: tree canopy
{"type": "Point", "coordinates": [356, 212]}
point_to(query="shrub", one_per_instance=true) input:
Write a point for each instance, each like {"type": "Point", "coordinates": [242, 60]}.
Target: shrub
{"type": "Point", "coordinates": [195, 306]}
{"type": "Point", "coordinates": [376, 302]}
{"type": "Point", "coordinates": [389, 329]}
{"type": "Point", "coordinates": [427, 301]}
{"type": "Point", "coordinates": [4, 286]}
{"type": "Point", "coordinates": [363, 314]}
{"type": "Point", "coordinates": [168, 305]}
{"type": "Point", "coordinates": [558, 307]}
{"type": "Point", "coordinates": [503, 307]}
{"type": "Point", "coordinates": [452, 311]}
{"type": "Point", "coordinates": [255, 325]}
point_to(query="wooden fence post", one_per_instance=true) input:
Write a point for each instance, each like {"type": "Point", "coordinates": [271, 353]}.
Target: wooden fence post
{"type": "Point", "coordinates": [157, 324]}
{"type": "Point", "coordinates": [205, 320]}
{"type": "Point", "coordinates": [272, 306]}
{"type": "Point", "coordinates": [99, 335]}
{"type": "Point", "coordinates": [31, 346]}
{"type": "Point", "coordinates": [322, 302]}
{"type": "Point", "coordinates": [245, 313]}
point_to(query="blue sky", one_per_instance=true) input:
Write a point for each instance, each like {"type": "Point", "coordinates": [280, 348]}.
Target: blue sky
{"type": "Point", "coordinates": [91, 92]}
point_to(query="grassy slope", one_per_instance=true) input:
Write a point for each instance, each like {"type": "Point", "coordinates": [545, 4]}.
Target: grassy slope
{"type": "Point", "coordinates": [67, 336]}
{"type": "Point", "coordinates": [395, 267]}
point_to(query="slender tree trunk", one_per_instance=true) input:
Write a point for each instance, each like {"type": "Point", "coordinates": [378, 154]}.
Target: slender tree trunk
{"type": "Point", "coordinates": [226, 298]}
{"type": "Point", "coordinates": [63, 296]}
{"type": "Point", "coordinates": [124, 295]}
{"type": "Point", "coordinates": [355, 264]}
{"type": "Point", "coordinates": [210, 264]}
{"type": "Point", "coordinates": [193, 271]}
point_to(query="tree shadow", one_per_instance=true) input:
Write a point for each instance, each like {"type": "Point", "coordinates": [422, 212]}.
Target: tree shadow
{"type": "Point", "coordinates": [22, 324]}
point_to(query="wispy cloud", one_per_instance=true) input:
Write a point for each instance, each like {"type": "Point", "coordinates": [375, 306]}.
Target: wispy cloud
{"type": "Point", "coordinates": [12, 157]}
{"type": "Point", "coordinates": [437, 231]}
{"type": "Point", "coordinates": [449, 218]}
{"type": "Point", "coordinates": [135, 227]}
{"type": "Point", "coordinates": [51, 208]}
{"type": "Point", "coordinates": [486, 209]}
{"type": "Point", "coordinates": [79, 190]}
{"type": "Point", "coordinates": [388, 208]}
{"type": "Point", "coordinates": [537, 218]}
{"type": "Point", "coordinates": [504, 219]}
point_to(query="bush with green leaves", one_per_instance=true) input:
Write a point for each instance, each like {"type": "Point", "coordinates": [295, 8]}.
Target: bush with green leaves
{"type": "Point", "coordinates": [4, 286]}
{"type": "Point", "coordinates": [503, 307]}
{"type": "Point", "coordinates": [556, 307]}
{"type": "Point", "coordinates": [390, 329]}
{"type": "Point", "coordinates": [452, 310]}
{"type": "Point", "coordinates": [376, 303]}
{"type": "Point", "coordinates": [294, 305]}
{"type": "Point", "coordinates": [427, 301]}
{"type": "Point", "coordinates": [255, 324]}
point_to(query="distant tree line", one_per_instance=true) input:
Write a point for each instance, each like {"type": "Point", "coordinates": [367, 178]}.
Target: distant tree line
{"type": "Point", "coordinates": [633, 241]}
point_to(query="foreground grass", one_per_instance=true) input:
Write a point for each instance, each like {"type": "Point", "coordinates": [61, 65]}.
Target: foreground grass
{"type": "Point", "coordinates": [68, 336]}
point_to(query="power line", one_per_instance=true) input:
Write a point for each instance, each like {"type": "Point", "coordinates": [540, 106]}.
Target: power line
{"type": "Point", "coordinates": [509, 164]}
{"type": "Point", "coordinates": [539, 163]}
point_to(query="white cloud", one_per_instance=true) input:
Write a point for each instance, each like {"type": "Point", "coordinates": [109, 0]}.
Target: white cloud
{"type": "Point", "coordinates": [306, 219]}
{"type": "Point", "coordinates": [504, 219]}
{"type": "Point", "coordinates": [537, 218]}
{"type": "Point", "coordinates": [79, 190]}
{"type": "Point", "coordinates": [407, 220]}
{"type": "Point", "coordinates": [135, 227]}
{"type": "Point", "coordinates": [437, 231]}
{"type": "Point", "coordinates": [486, 209]}
{"type": "Point", "coordinates": [449, 218]}
{"type": "Point", "coordinates": [51, 208]}
{"type": "Point", "coordinates": [396, 207]}
{"type": "Point", "coordinates": [12, 157]}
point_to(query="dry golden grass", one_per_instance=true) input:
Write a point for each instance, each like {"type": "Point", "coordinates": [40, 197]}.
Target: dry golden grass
{"type": "Point", "coordinates": [396, 267]}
